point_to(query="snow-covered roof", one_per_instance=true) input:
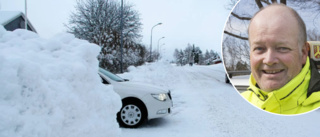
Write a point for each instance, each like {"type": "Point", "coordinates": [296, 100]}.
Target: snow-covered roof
{"type": "Point", "coordinates": [8, 16]}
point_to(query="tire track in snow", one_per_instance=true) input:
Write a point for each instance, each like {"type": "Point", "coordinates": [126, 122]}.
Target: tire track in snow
{"type": "Point", "coordinates": [201, 95]}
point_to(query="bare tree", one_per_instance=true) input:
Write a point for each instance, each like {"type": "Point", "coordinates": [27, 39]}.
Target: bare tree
{"type": "Point", "coordinates": [231, 4]}
{"type": "Point", "coordinates": [98, 21]}
{"type": "Point", "coordinates": [313, 35]}
{"type": "Point", "coordinates": [244, 16]}
{"type": "Point", "coordinates": [234, 51]}
{"type": "Point", "coordinates": [245, 9]}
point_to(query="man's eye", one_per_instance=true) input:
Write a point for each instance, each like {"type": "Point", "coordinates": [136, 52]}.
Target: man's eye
{"type": "Point", "coordinates": [283, 49]}
{"type": "Point", "coordinates": [258, 49]}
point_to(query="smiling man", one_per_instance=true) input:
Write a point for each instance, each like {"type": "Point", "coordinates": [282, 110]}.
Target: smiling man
{"type": "Point", "coordinates": [284, 80]}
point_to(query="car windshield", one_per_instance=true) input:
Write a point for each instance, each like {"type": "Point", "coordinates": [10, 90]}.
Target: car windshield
{"type": "Point", "coordinates": [111, 75]}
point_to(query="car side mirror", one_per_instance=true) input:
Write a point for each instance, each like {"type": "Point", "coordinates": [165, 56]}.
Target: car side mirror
{"type": "Point", "coordinates": [126, 79]}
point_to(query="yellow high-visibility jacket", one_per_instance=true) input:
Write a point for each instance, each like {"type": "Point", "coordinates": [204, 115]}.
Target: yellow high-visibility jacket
{"type": "Point", "coordinates": [300, 95]}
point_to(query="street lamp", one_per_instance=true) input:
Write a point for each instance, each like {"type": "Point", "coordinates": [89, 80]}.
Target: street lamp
{"type": "Point", "coordinates": [161, 47]}
{"type": "Point", "coordinates": [26, 20]}
{"type": "Point", "coordinates": [121, 38]}
{"type": "Point", "coordinates": [158, 46]}
{"type": "Point", "coordinates": [151, 40]}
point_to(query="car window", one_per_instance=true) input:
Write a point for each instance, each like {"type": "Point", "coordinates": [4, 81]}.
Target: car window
{"type": "Point", "coordinates": [111, 75]}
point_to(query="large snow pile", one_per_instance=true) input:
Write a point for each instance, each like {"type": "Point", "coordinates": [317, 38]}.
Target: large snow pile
{"type": "Point", "coordinates": [50, 88]}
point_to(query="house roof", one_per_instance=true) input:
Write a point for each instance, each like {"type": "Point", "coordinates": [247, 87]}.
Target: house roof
{"type": "Point", "coordinates": [8, 16]}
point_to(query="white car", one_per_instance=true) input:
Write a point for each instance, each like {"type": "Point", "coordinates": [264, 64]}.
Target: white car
{"type": "Point", "coordinates": [241, 83]}
{"type": "Point", "coordinates": [139, 101]}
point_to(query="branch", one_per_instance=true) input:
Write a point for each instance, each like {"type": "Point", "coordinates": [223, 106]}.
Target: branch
{"type": "Point", "coordinates": [266, 2]}
{"type": "Point", "coordinates": [259, 4]}
{"type": "Point", "coordinates": [234, 35]}
{"type": "Point", "coordinates": [241, 18]}
{"type": "Point", "coordinates": [283, 2]}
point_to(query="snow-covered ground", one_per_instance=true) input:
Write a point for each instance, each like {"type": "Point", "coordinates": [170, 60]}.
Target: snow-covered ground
{"type": "Point", "coordinates": [205, 106]}
{"type": "Point", "coordinates": [50, 88]}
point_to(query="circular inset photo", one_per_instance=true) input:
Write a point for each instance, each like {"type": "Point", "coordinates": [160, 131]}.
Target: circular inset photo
{"type": "Point", "coordinates": [271, 51]}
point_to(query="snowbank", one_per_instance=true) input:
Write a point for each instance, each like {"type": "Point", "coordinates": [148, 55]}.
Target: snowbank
{"type": "Point", "coordinates": [50, 88]}
{"type": "Point", "coordinates": [156, 71]}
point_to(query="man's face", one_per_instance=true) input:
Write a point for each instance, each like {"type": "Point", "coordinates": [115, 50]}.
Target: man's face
{"type": "Point", "coordinates": [275, 55]}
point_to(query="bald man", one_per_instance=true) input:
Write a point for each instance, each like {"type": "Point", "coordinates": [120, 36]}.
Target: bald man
{"type": "Point", "coordinates": [283, 80]}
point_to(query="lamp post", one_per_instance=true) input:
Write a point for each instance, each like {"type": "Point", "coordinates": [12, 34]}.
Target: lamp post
{"type": "Point", "coordinates": [162, 45]}
{"type": "Point", "coordinates": [151, 41]}
{"type": "Point", "coordinates": [121, 38]}
{"type": "Point", "coordinates": [158, 47]}
{"type": "Point", "coordinates": [161, 48]}
{"type": "Point", "coordinates": [158, 42]}
{"type": "Point", "coordinates": [26, 20]}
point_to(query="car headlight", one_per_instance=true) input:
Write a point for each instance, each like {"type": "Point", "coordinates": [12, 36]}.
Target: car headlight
{"type": "Point", "coordinates": [160, 97]}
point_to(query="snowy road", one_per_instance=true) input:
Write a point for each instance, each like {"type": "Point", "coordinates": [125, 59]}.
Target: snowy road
{"type": "Point", "coordinates": [206, 106]}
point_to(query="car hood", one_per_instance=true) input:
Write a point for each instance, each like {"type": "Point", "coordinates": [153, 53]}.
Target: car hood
{"type": "Point", "coordinates": [135, 87]}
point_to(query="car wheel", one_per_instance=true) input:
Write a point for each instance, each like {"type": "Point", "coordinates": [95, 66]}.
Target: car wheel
{"type": "Point", "coordinates": [131, 115]}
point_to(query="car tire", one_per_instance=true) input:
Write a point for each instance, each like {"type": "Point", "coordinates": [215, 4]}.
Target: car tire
{"type": "Point", "coordinates": [132, 114]}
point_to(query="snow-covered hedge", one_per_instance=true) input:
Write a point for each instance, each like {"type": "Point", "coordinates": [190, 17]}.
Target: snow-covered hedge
{"type": "Point", "coordinates": [50, 88]}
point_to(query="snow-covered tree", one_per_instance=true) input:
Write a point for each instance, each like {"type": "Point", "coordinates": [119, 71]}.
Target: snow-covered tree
{"type": "Point", "coordinates": [188, 54]}
{"type": "Point", "coordinates": [176, 54]}
{"type": "Point", "coordinates": [198, 55]}
{"type": "Point", "coordinates": [193, 54]}
{"type": "Point", "coordinates": [210, 57]}
{"type": "Point", "coordinates": [179, 57]}
{"type": "Point", "coordinates": [98, 21]}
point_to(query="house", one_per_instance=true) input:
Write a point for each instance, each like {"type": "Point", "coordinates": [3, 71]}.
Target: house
{"type": "Point", "coordinates": [12, 20]}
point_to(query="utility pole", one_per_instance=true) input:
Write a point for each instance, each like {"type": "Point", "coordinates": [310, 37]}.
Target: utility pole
{"type": "Point", "coordinates": [121, 38]}
{"type": "Point", "coordinates": [26, 19]}
{"type": "Point", "coordinates": [158, 48]}
{"type": "Point", "coordinates": [151, 41]}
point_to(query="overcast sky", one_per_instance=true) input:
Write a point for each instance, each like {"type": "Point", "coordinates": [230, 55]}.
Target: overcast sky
{"type": "Point", "coordinates": [198, 22]}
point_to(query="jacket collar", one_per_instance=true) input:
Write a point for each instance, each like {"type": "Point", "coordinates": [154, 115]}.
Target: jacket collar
{"type": "Point", "coordinates": [286, 97]}
{"type": "Point", "coordinates": [314, 85]}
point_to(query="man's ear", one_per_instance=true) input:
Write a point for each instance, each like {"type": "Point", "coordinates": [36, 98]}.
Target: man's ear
{"type": "Point", "coordinates": [305, 52]}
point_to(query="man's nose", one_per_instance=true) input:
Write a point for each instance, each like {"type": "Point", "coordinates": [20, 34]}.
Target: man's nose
{"type": "Point", "coordinates": [270, 58]}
